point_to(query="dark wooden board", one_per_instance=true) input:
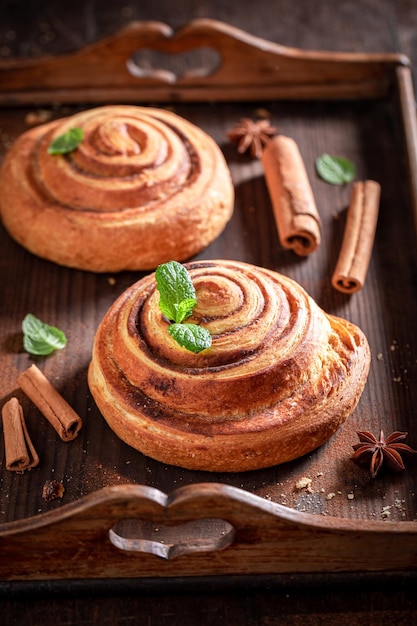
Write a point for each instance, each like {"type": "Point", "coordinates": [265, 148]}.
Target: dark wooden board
{"type": "Point", "coordinates": [367, 132]}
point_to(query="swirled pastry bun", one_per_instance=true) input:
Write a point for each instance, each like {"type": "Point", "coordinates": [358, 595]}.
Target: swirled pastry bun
{"type": "Point", "coordinates": [143, 187]}
{"type": "Point", "coordinates": [280, 377]}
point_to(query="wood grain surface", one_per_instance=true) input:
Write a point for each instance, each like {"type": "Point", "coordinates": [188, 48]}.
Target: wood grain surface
{"type": "Point", "coordinates": [368, 132]}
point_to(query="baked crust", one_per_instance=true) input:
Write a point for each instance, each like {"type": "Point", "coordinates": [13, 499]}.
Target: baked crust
{"type": "Point", "coordinates": [280, 378]}
{"type": "Point", "coordinates": [143, 187]}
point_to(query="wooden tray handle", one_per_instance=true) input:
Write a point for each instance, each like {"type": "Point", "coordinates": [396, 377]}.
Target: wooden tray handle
{"type": "Point", "coordinates": [169, 542]}
{"type": "Point", "coordinates": [78, 540]}
{"type": "Point", "coordinates": [249, 68]}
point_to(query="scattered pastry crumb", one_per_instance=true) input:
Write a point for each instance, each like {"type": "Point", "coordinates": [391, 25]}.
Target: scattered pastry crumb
{"type": "Point", "coordinates": [38, 117]}
{"type": "Point", "coordinates": [304, 483]}
{"type": "Point", "coordinates": [52, 490]}
{"type": "Point", "coordinates": [399, 505]}
{"type": "Point", "coordinates": [261, 112]}
{"type": "Point", "coordinates": [379, 356]}
{"type": "Point", "coordinates": [386, 511]}
{"type": "Point", "coordinates": [350, 496]}
{"type": "Point", "coordinates": [111, 280]}
{"type": "Point", "coordinates": [330, 496]}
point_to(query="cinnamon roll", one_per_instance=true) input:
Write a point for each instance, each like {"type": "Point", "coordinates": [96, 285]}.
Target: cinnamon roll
{"type": "Point", "coordinates": [144, 186]}
{"type": "Point", "coordinates": [280, 377]}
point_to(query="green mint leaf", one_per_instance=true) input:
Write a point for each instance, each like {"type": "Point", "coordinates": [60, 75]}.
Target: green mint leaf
{"type": "Point", "coordinates": [63, 144]}
{"type": "Point", "coordinates": [177, 299]}
{"type": "Point", "coordinates": [335, 170]}
{"type": "Point", "coordinates": [41, 339]}
{"type": "Point", "coordinates": [176, 290]}
{"type": "Point", "coordinates": [185, 308]}
{"type": "Point", "coordinates": [191, 336]}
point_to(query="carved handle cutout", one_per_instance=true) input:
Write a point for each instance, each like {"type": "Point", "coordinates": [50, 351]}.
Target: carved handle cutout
{"type": "Point", "coordinates": [168, 542]}
{"type": "Point", "coordinates": [169, 68]}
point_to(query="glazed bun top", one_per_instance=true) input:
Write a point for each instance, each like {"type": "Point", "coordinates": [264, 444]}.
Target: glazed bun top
{"type": "Point", "coordinates": [143, 186]}
{"type": "Point", "coordinates": [280, 377]}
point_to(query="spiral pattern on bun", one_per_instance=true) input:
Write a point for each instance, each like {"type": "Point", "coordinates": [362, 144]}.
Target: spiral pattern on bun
{"type": "Point", "coordinates": [142, 187]}
{"type": "Point", "coordinates": [280, 377]}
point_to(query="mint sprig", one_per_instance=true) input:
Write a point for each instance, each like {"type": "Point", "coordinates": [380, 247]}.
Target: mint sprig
{"type": "Point", "coordinates": [191, 336]}
{"type": "Point", "coordinates": [41, 339]}
{"type": "Point", "coordinates": [177, 299]}
{"type": "Point", "coordinates": [67, 142]}
{"type": "Point", "coordinates": [176, 290]}
{"type": "Point", "coordinates": [335, 170]}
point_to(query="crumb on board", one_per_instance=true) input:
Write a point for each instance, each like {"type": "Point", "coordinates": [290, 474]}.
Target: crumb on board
{"type": "Point", "coordinates": [52, 490]}
{"type": "Point", "coordinates": [264, 113]}
{"type": "Point", "coordinates": [304, 483]}
{"type": "Point", "coordinates": [386, 511]}
{"type": "Point", "coordinates": [37, 117]}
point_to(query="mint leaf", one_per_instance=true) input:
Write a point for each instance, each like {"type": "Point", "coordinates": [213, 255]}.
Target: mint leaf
{"type": "Point", "coordinates": [191, 336]}
{"type": "Point", "coordinates": [185, 308]}
{"type": "Point", "coordinates": [40, 338]}
{"type": "Point", "coordinates": [335, 170]}
{"type": "Point", "coordinates": [176, 290]}
{"type": "Point", "coordinates": [63, 144]}
{"type": "Point", "coordinates": [177, 299]}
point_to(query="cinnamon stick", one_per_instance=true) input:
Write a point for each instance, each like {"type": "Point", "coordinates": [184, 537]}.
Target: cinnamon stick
{"type": "Point", "coordinates": [295, 211]}
{"type": "Point", "coordinates": [50, 403]}
{"type": "Point", "coordinates": [19, 449]}
{"type": "Point", "coordinates": [358, 239]}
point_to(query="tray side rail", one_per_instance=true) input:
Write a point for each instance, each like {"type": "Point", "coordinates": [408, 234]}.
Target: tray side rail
{"type": "Point", "coordinates": [249, 68]}
{"type": "Point", "coordinates": [75, 542]}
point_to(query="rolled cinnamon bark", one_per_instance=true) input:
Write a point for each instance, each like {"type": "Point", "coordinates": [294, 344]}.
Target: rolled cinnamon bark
{"type": "Point", "coordinates": [295, 210]}
{"type": "Point", "coordinates": [50, 403]}
{"type": "Point", "coordinates": [358, 239]}
{"type": "Point", "coordinates": [19, 450]}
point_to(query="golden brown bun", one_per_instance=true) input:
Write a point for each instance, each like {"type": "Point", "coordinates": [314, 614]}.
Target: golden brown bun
{"type": "Point", "coordinates": [143, 187]}
{"type": "Point", "coordinates": [280, 378]}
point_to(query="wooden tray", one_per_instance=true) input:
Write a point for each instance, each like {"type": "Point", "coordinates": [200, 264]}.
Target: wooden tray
{"type": "Point", "coordinates": [123, 515]}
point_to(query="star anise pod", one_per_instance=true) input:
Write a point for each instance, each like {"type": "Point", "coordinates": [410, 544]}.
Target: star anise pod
{"type": "Point", "coordinates": [382, 451]}
{"type": "Point", "coordinates": [252, 136]}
